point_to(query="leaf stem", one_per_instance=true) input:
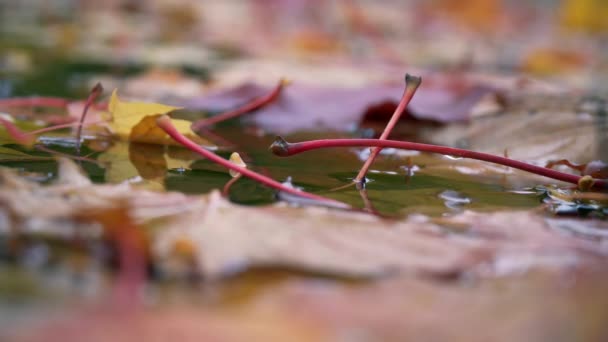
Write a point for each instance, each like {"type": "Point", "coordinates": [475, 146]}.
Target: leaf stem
{"type": "Point", "coordinates": [283, 148]}
{"type": "Point", "coordinates": [164, 122]}
{"type": "Point", "coordinates": [248, 107]}
{"type": "Point", "coordinates": [93, 95]}
{"type": "Point", "coordinates": [228, 185]}
{"type": "Point", "coordinates": [411, 85]}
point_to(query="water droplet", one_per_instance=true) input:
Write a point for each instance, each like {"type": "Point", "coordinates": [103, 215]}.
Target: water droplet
{"type": "Point", "coordinates": [454, 196]}
{"type": "Point", "coordinates": [363, 154]}
{"type": "Point", "coordinates": [454, 199]}
{"type": "Point", "coordinates": [410, 170]}
{"type": "Point", "coordinates": [528, 191]}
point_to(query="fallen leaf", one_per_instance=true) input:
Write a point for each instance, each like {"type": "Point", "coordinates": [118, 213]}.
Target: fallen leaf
{"type": "Point", "coordinates": [136, 122]}
{"type": "Point", "coordinates": [304, 107]}
{"type": "Point", "coordinates": [585, 15]}
{"type": "Point", "coordinates": [530, 133]}
{"type": "Point", "coordinates": [229, 238]}
{"type": "Point", "coordinates": [232, 238]}
{"type": "Point", "coordinates": [549, 61]}
{"type": "Point", "coordinates": [41, 208]}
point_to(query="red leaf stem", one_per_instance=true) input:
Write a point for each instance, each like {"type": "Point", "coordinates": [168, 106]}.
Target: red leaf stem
{"type": "Point", "coordinates": [283, 148]}
{"type": "Point", "coordinates": [248, 107]}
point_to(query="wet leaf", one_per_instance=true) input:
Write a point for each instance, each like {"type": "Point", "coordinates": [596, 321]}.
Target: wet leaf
{"type": "Point", "coordinates": [537, 134]}
{"type": "Point", "coordinates": [231, 238]}
{"type": "Point", "coordinates": [136, 122]}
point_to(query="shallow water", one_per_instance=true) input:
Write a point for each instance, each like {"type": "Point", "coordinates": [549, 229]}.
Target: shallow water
{"type": "Point", "coordinates": [392, 188]}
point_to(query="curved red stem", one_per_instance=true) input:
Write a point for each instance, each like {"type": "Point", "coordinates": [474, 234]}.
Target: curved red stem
{"type": "Point", "coordinates": [282, 148]}
{"type": "Point", "coordinates": [95, 92]}
{"type": "Point", "coordinates": [250, 106]}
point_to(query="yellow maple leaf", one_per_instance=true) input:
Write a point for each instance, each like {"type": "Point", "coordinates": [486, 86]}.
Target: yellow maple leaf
{"type": "Point", "coordinates": [136, 122]}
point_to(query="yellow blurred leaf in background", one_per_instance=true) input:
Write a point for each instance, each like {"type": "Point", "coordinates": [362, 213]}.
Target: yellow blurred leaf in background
{"type": "Point", "coordinates": [480, 15]}
{"type": "Point", "coordinates": [549, 61]}
{"type": "Point", "coordinates": [585, 15]}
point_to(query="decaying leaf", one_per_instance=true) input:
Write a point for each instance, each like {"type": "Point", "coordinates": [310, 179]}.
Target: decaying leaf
{"type": "Point", "coordinates": [232, 238]}
{"type": "Point", "coordinates": [530, 134]}
{"type": "Point", "coordinates": [136, 122]}
{"type": "Point", "coordinates": [562, 297]}
{"type": "Point", "coordinates": [43, 208]}
{"type": "Point", "coordinates": [229, 238]}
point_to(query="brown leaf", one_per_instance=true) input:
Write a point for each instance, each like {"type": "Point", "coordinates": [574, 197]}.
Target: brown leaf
{"type": "Point", "coordinates": [229, 238]}
{"type": "Point", "coordinates": [540, 133]}
{"type": "Point", "coordinates": [540, 307]}
{"type": "Point", "coordinates": [30, 205]}
{"type": "Point", "coordinates": [232, 238]}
